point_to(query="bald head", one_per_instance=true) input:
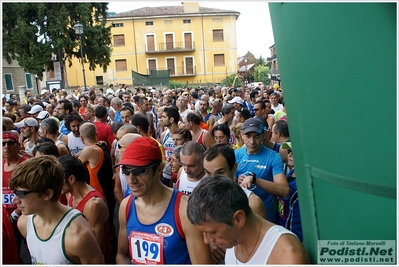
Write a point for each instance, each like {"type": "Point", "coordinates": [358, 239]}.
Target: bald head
{"type": "Point", "coordinates": [88, 131]}
{"type": "Point", "coordinates": [128, 138]}
{"type": "Point", "coordinates": [125, 129]}
{"type": "Point", "coordinates": [125, 141]}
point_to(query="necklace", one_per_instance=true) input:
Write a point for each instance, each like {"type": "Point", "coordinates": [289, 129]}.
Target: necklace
{"type": "Point", "coordinates": [249, 255]}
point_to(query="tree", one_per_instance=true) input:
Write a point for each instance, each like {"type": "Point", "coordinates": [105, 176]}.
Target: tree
{"type": "Point", "coordinates": [261, 74]}
{"type": "Point", "coordinates": [34, 32]}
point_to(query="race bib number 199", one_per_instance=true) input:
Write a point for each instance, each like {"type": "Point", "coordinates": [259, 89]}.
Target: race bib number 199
{"type": "Point", "coordinates": [146, 248]}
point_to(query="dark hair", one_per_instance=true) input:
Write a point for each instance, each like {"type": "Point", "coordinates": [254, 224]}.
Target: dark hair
{"type": "Point", "coordinates": [25, 108]}
{"type": "Point", "coordinates": [221, 149]}
{"type": "Point", "coordinates": [140, 120]}
{"type": "Point", "coordinates": [115, 126]}
{"type": "Point", "coordinates": [67, 104]}
{"type": "Point", "coordinates": [172, 112]}
{"type": "Point", "coordinates": [184, 132]}
{"type": "Point", "coordinates": [216, 198]}
{"type": "Point", "coordinates": [282, 127]}
{"type": "Point", "coordinates": [245, 113]}
{"type": "Point", "coordinates": [73, 166]}
{"type": "Point", "coordinates": [100, 111]}
{"type": "Point", "coordinates": [128, 106]}
{"type": "Point", "coordinates": [193, 117]}
{"type": "Point", "coordinates": [73, 116]}
{"type": "Point", "coordinates": [46, 148]}
{"type": "Point", "coordinates": [221, 127]}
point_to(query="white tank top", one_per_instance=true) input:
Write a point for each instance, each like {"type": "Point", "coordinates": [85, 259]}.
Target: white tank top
{"type": "Point", "coordinates": [75, 144]}
{"type": "Point", "coordinates": [29, 149]}
{"type": "Point", "coordinates": [264, 250]}
{"type": "Point", "coordinates": [51, 250]}
{"type": "Point", "coordinates": [184, 185]}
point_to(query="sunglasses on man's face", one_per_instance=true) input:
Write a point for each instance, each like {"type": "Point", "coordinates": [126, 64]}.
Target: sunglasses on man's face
{"type": "Point", "coordinates": [137, 171]}
{"type": "Point", "coordinates": [21, 194]}
{"type": "Point", "coordinates": [9, 143]}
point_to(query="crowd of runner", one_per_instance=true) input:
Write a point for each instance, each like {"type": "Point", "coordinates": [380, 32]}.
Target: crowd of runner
{"type": "Point", "coordinates": [197, 175]}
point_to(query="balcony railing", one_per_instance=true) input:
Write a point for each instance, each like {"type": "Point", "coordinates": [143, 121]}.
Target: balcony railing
{"type": "Point", "coordinates": [179, 71]}
{"type": "Point", "coordinates": [170, 47]}
{"type": "Point", "coordinates": [271, 58]}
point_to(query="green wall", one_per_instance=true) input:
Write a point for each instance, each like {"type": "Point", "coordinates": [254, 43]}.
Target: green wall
{"type": "Point", "coordinates": [337, 64]}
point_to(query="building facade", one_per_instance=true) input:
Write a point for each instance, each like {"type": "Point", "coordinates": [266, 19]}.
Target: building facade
{"type": "Point", "coordinates": [194, 44]}
{"type": "Point", "coordinates": [274, 72]}
{"type": "Point", "coordinates": [16, 80]}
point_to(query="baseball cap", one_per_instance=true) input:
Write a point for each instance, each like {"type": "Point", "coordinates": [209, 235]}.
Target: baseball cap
{"type": "Point", "coordinates": [287, 145]}
{"type": "Point", "coordinates": [35, 109]}
{"type": "Point", "coordinates": [266, 128]}
{"type": "Point", "coordinates": [42, 115]}
{"type": "Point", "coordinates": [42, 92]}
{"type": "Point", "coordinates": [27, 122]}
{"type": "Point", "coordinates": [237, 100]}
{"type": "Point", "coordinates": [141, 152]}
{"type": "Point", "coordinates": [185, 93]}
{"type": "Point", "coordinates": [253, 125]}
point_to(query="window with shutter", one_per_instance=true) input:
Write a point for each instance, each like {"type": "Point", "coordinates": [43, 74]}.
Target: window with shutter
{"type": "Point", "coordinates": [218, 59]}
{"type": "Point", "coordinates": [9, 84]}
{"type": "Point", "coordinates": [217, 35]}
{"type": "Point", "coordinates": [120, 65]}
{"type": "Point", "coordinates": [119, 40]}
{"type": "Point", "coordinates": [28, 78]}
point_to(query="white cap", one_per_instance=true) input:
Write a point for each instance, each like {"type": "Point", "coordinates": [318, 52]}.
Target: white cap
{"type": "Point", "coordinates": [43, 91]}
{"type": "Point", "coordinates": [42, 115]}
{"type": "Point", "coordinates": [237, 100]}
{"type": "Point", "coordinates": [35, 109]}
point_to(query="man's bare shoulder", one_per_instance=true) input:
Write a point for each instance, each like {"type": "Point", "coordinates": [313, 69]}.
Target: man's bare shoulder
{"type": "Point", "coordinates": [293, 251]}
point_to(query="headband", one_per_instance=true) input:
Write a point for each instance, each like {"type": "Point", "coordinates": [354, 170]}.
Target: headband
{"type": "Point", "coordinates": [10, 136]}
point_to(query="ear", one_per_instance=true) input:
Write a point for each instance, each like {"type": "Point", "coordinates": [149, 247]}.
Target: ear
{"type": "Point", "coordinates": [239, 218]}
{"type": "Point", "coordinates": [71, 179]}
{"type": "Point", "coordinates": [49, 194]}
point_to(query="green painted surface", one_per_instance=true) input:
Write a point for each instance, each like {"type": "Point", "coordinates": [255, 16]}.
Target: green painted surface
{"type": "Point", "coordinates": [338, 67]}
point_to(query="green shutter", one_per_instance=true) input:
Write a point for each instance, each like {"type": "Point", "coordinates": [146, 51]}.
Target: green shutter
{"type": "Point", "coordinates": [28, 78]}
{"type": "Point", "coordinates": [9, 85]}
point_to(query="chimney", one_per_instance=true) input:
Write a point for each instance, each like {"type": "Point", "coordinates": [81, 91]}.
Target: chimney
{"type": "Point", "coordinates": [190, 7]}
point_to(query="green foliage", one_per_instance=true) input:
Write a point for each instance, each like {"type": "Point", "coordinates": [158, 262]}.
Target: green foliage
{"type": "Point", "coordinates": [175, 84]}
{"type": "Point", "coordinates": [35, 31]}
{"type": "Point", "coordinates": [228, 81]}
{"type": "Point", "coordinates": [260, 74]}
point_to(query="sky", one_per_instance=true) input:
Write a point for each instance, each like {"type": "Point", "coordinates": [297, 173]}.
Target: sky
{"type": "Point", "coordinates": [254, 28]}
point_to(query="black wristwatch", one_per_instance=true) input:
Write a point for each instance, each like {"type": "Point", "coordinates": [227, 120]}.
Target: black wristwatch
{"type": "Point", "coordinates": [253, 177]}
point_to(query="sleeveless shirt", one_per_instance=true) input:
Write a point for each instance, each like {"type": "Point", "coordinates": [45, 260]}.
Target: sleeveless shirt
{"type": "Point", "coordinates": [162, 242]}
{"type": "Point", "coordinates": [262, 254]}
{"type": "Point", "coordinates": [81, 206]}
{"type": "Point", "coordinates": [75, 144]}
{"type": "Point", "coordinates": [184, 185]}
{"type": "Point", "coordinates": [50, 251]}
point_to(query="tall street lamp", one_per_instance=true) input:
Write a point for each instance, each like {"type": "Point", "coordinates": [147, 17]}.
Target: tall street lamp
{"type": "Point", "coordinates": [79, 31]}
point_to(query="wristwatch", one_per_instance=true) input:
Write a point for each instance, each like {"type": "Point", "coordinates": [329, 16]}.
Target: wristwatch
{"type": "Point", "coordinates": [253, 177]}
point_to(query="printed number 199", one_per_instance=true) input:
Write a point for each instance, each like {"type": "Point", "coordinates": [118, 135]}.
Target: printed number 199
{"type": "Point", "coordinates": [153, 248]}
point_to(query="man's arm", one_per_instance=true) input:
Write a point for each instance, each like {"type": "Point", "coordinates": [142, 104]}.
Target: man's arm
{"type": "Point", "coordinates": [80, 243]}
{"type": "Point", "coordinates": [257, 205]}
{"type": "Point", "coordinates": [122, 256]}
{"type": "Point", "coordinates": [96, 213]}
{"type": "Point", "coordinates": [90, 155]}
{"type": "Point", "coordinates": [293, 251]}
{"type": "Point", "coordinates": [208, 140]}
{"type": "Point", "coordinates": [118, 187]}
{"type": "Point", "coordinates": [200, 253]}
{"type": "Point", "coordinates": [211, 122]}
{"type": "Point", "coordinates": [279, 187]}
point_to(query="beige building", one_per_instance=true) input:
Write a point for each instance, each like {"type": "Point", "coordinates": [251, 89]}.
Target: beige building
{"type": "Point", "coordinates": [187, 43]}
